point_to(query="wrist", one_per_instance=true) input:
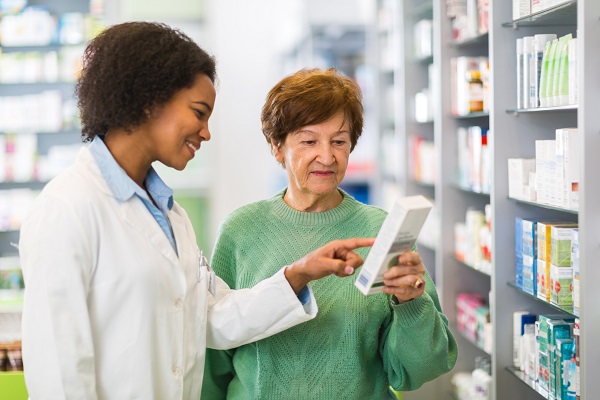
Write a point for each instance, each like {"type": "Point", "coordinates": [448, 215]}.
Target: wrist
{"type": "Point", "coordinates": [296, 277]}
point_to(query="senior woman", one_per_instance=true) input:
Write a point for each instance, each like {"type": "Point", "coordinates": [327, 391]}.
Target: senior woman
{"type": "Point", "coordinates": [358, 345]}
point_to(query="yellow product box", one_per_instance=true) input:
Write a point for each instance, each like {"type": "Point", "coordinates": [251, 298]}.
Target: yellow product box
{"type": "Point", "coordinates": [543, 280]}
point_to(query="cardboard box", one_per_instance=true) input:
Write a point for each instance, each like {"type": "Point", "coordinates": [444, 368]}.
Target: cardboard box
{"type": "Point", "coordinates": [398, 234]}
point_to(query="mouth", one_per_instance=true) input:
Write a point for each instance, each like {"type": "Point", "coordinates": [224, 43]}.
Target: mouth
{"type": "Point", "coordinates": [194, 147]}
{"type": "Point", "coordinates": [323, 174]}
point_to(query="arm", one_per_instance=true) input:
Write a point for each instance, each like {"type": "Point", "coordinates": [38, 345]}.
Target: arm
{"type": "Point", "coordinates": [416, 343]}
{"type": "Point", "coordinates": [218, 373]}
{"type": "Point", "coordinates": [57, 260]}
{"type": "Point", "coordinates": [272, 305]}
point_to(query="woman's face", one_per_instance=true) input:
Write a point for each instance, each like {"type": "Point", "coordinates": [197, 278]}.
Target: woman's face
{"type": "Point", "coordinates": [176, 130]}
{"type": "Point", "coordinates": [316, 156]}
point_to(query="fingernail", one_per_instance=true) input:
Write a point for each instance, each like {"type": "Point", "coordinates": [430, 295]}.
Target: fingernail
{"type": "Point", "coordinates": [349, 270]}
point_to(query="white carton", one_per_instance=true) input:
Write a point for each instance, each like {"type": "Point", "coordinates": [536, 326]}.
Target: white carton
{"type": "Point", "coordinates": [518, 177]}
{"type": "Point", "coordinates": [398, 234]}
{"type": "Point", "coordinates": [567, 167]}
{"type": "Point", "coordinates": [521, 8]}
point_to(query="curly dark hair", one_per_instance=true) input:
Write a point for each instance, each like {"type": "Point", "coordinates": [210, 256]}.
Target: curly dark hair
{"type": "Point", "coordinates": [130, 69]}
{"type": "Point", "coordinates": [308, 97]}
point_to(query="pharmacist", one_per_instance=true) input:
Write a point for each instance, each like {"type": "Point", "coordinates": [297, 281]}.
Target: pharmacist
{"type": "Point", "coordinates": [118, 302]}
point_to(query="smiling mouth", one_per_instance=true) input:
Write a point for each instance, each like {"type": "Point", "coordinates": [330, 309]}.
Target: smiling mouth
{"type": "Point", "coordinates": [192, 146]}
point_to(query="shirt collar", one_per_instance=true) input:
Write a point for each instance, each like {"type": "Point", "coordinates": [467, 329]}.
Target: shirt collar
{"type": "Point", "coordinates": [122, 186]}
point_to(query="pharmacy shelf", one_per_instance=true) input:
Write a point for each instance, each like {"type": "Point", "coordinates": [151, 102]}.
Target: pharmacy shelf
{"type": "Point", "coordinates": [475, 40]}
{"type": "Point", "coordinates": [526, 380]}
{"type": "Point", "coordinates": [37, 48]}
{"type": "Point", "coordinates": [562, 14]}
{"type": "Point", "coordinates": [424, 60]}
{"type": "Point", "coordinates": [422, 10]}
{"type": "Point", "coordinates": [515, 139]}
{"type": "Point", "coordinates": [570, 108]}
{"type": "Point", "coordinates": [424, 246]}
{"type": "Point", "coordinates": [540, 301]}
{"type": "Point", "coordinates": [515, 134]}
{"type": "Point", "coordinates": [469, 340]}
{"type": "Point", "coordinates": [472, 267]}
{"type": "Point", "coordinates": [473, 115]}
{"type": "Point", "coordinates": [43, 84]}
{"type": "Point", "coordinates": [471, 191]}
{"type": "Point", "coordinates": [34, 185]}
{"type": "Point", "coordinates": [545, 206]}
{"type": "Point", "coordinates": [429, 185]}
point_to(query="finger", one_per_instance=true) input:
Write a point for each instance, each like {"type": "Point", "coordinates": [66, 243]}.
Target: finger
{"type": "Point", "coordinates": [419, 283]}
{"type": "Point", "coordinates": [354, 260]}
{"type": "Point", "coordinates": [403, 270]}
{"type": "Point", "coordinates": [409, 258]}
{"type": "Point", "coordinates": [335, 266]}
{"type": "Point", "coordinates": [353, 243]}
{"type": "Point", "coordinates": [402, 281]}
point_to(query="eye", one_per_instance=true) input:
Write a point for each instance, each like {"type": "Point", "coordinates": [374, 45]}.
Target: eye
{"type": "Point", "coordinates": [339, 142]}
{"type": "Point", "coordinates": [309, 142]}
{"type": "Point", "coordinates": [199, 113]}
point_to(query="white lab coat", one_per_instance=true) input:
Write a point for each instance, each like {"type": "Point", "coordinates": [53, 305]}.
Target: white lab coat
{"type": "Point", "coordinates": [111, 312]}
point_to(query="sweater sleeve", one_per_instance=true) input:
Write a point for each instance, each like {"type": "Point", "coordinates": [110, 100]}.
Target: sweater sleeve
{"type": "Point", "coordinates": [417, 345]}
{"type": "Point", "coordinates": [218, 367]}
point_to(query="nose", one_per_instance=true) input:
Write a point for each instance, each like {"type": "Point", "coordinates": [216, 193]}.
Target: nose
{"type": "Point", "coordinates": [205, 133]}
{"type": "Point", "coordinates": [326, 156]}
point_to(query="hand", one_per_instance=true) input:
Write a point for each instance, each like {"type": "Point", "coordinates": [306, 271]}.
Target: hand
{"type": "Point", "coordinates": [406, 280]}
{"type": "Point", "coordinates": [336, 257]}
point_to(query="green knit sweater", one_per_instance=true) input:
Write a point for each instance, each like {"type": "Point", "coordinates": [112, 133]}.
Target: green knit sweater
{"type": "Point", "coordinates": [355, 347]}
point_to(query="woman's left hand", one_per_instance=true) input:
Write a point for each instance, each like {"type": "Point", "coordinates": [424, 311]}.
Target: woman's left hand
{"type": "Point", "coordinates": [406, 280]}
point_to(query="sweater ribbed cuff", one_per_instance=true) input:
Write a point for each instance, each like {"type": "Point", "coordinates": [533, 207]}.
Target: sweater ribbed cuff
{"type": "Point", "coordinates": [409, 312]}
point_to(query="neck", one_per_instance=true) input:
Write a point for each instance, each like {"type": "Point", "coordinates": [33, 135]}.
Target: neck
{"type": "Point", "coordinates": [313, 203]}
{"type": "Point", "coordinates": [127, 152]}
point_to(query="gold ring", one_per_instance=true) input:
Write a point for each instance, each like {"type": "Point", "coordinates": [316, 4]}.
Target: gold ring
{"type": "Point", "coordinates": [418, 284]}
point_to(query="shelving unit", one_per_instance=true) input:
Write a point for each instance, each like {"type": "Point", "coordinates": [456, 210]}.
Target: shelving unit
{"type": "Point", "coordinates": [402, 73]}
{"type": "Point", "coordinates": [515, 136]}
{"type": "Point", "coordinates": [344, 47]}
{"type": "Point", "coordinates": [50, 124]}
{"type": "Point", "coordinates": [514, 133]}
{"type": "Point", "coordinates": [68, 133]}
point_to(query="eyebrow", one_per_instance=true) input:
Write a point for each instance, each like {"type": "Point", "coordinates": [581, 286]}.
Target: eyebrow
{"type": "Point", "coordinates": [204, 104]}
{"type": "Point", "coordinates": [313, 132]}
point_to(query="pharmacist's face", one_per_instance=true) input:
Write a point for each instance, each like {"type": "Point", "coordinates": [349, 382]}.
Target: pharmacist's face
{"type": "Point", "coordinates": [176, 130]}
{"type": "Point", "coordinates": [316, 156]}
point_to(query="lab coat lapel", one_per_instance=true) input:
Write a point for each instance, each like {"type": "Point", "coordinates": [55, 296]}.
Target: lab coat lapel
{"type": "Point", "coordinates": [136, 214]}
{"type": "Point", "coordinates": [182, 241]}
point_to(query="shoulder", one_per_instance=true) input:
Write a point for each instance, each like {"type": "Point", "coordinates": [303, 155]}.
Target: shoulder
{"type": "Point", "coordinates": [365, 211]}
{"type": "Point", "coordinates": [77, 184]}
{"type": "Point", "coordinates": [247, 214]}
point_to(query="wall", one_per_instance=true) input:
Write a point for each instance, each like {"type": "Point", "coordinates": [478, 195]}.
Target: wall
{"type": "Point", "coordinates": [247, 38]}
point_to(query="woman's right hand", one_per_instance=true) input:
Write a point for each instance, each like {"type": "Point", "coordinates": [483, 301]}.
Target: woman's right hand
{"type": "Point", "coordinates": [337, 257]}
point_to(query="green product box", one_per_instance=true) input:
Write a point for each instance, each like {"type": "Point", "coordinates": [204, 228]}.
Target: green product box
{"type": "Point", "coordinates": [547, 335]}
{"type": "Point", "coordinates": [557, 329]}
{"type": "Point", "coordinates": [560, 242]}
{"type": "Point", "coordinates": [561, 287]}
{"type": "Point", "coordinates": [564, 369]}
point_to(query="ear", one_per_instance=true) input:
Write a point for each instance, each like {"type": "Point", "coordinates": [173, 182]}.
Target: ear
{"type": "Point", "coordinates": [276, 150]}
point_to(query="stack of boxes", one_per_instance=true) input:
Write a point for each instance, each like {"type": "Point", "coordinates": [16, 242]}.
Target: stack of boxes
{"type": "Point", "coordinates": [473, 319]}
{"type": "Point", "coordinates": [552, 178]}
{"type": "Point", "coordinates": [546, 261]}
{"type": "Point", "coordinates": [545, 349]}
